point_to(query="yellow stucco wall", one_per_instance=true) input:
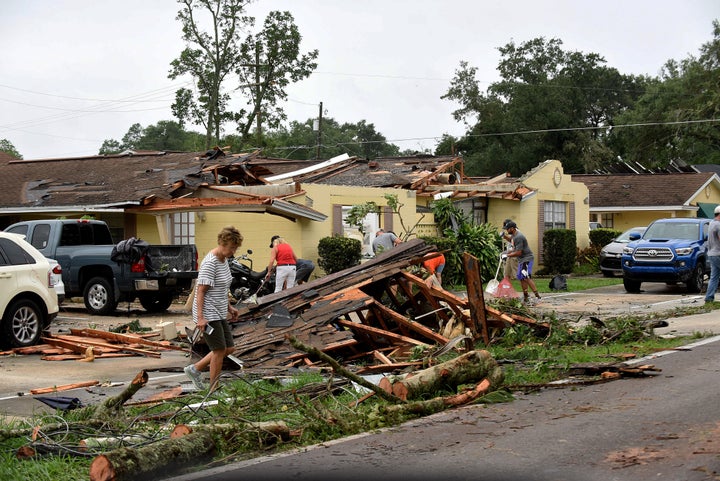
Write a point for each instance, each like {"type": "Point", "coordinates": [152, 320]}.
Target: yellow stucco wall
{"type": "Point", "coordinates": [550, 183]}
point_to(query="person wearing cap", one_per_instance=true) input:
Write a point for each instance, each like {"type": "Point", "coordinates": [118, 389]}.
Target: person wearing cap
{"type": "Point", "coordinates": [283, 259]}
{"type": "Point", "coordinates": [521, 250]}
{"type": "Point", "coordinates": [511, 263]}
{"type": "Point", "coordinates": [713, 252]}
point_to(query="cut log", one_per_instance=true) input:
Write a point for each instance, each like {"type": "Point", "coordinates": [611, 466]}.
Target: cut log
{"type": "Point", "coordinates": [471, 367]}
{"type": "Point", "coordinates": [188, 445]}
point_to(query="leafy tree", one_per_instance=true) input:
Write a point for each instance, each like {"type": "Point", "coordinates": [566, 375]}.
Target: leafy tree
{"type": "Point", "coordinates": [269, 62]}
{"type": "Point", "coordinates": [165, 135]}
{"type": "Point", "coordinates": [264, 65]}
{"type": "Point", "coordinates": [300, 141]}
{"type": "Point", "coordinates": [7, 147]}
{"type": "Point", "coordinates": [209, 57]}
{"type": "Point", "coordinates": [549, 103]}
{"type": "Point", "coordinates": [683, 105]}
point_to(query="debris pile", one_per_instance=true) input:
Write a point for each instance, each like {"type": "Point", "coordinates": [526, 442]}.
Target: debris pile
{"type": "Point", "coordinates": [372, 316]}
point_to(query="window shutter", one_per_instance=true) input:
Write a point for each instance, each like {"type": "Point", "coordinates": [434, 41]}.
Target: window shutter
{"type": "Point", "coordinates": [337, 220]}
{"type": "Point", "coordinates": [387, 219]}
{"type": "Point", "coordinates": [572, 215]}
{"type": "Point", "coordinates": [541, 230]}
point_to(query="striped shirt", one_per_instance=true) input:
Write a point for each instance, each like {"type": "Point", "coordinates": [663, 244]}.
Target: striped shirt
{"type": "Point", "coordinates": [215, 274]}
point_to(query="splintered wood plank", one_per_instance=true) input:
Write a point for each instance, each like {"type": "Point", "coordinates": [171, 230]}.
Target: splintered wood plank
{"type": "Point", "coordinates": [125, 338]}
{"type": "Point", "coordinates": [500, 315]}
{"type": "Point", "coordinates": [61, 340]}
{"type": "Point", "coordinates": [64, 387]}
{"type": "Point", "coordinates": [412, 325]}
{"type": "Point", "coordinates": [473, 281]}
{"type": "Point", "coordinates": [379, 332]}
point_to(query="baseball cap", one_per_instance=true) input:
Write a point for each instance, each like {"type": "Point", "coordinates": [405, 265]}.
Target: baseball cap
{"type": "Point", "coordinates": [717, 210]}
{"type": "Point", "coordinates": [272, 239]}
{"type": "Point", "coordinates": [506, 222]}
{"type": "Point", "coordinates": [510, 225]}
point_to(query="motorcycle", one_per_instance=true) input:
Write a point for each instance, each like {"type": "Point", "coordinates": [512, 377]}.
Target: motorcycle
{"type": "Point", "coordinates": [247, 282]}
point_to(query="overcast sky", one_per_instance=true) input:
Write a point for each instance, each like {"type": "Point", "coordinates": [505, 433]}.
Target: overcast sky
{"type": "Point", "coordinates": [77, 72]}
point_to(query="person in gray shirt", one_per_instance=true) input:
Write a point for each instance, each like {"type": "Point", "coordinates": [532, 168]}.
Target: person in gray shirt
{"type": "Point", "coordinates": [713, 253]}
{"type": "Point", "coordinates": [521, 249]}
{"type": "Point", "coordinates": [384, 241]}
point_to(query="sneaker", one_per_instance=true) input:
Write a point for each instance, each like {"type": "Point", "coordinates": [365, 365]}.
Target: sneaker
{"type": "Point", "coordinates": [194, 376]}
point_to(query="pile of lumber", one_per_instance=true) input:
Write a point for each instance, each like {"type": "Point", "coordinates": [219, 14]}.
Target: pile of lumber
{"type": "Point", "coordinates": [89, 344]}
{"type": "Point", "coordinates": [371, 316]}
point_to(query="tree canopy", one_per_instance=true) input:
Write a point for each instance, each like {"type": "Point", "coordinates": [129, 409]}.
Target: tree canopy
{"type": "Point", "coordinates": [556, 104]}
{"type": "Point", "coordinates": [7, 147]}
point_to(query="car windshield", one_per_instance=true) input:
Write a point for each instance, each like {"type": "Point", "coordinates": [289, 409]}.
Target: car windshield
{"type": "Point", "coordinates": [625, 236]}
{"type": "Point", "coordinates": [672, 230]}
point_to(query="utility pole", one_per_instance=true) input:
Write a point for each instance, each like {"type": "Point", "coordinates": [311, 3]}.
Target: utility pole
{"type": "Point", "coordinates": [257, 91]}
{"type": "Point", "coordinates": [319, 131]}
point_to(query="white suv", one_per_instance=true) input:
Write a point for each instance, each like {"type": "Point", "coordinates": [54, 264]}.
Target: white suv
{"type": "Point", "coordinates": [28, 302]}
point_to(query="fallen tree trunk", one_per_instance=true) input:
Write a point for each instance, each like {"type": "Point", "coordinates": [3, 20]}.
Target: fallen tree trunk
{"type": "Point", "coordinates": [386, 395]}
{"type": "Point", "coordinates": [468, 368]}
{"type": "Point", "coordinates": [186, 446]}
{"type": "Point", "coordinates": [424, 408]}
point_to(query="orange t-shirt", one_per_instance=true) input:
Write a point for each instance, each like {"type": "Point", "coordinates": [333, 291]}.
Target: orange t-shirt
{"type": "Point", "coordinates": [432, 264]}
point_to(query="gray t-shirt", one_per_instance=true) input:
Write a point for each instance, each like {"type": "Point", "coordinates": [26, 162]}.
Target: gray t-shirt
{"type": "Point", "coordinates": [217, 275]}
{"type": "Point", "coordinates": [384, 242]}
{"type": "Point", "coordinates": [714, 238]}
{"type": "Point", "coordinates": [520, 243]}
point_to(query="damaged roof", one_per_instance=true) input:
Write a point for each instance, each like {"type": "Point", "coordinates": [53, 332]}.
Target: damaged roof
{"type": "Point", "coordinates": [155, 181]}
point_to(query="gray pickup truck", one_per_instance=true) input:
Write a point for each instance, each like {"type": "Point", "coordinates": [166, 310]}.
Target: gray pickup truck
{"type": "Point", "coordinates": [85, 251]}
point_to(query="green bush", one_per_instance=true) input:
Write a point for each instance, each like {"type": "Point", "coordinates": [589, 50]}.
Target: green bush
{"type": "Point", "coordinates": [337, 253]}
{"type": "Point", "coordinates": [559, 251]}
{"type": "Point", "coordinates": [602, 237]}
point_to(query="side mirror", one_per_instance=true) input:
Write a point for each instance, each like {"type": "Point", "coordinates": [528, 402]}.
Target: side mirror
{"type": "Point", "coordinates": [634, 236]}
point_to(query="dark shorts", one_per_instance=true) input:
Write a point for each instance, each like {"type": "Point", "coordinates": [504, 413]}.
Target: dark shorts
{"type": "Point", "coordinates": [221, 337]}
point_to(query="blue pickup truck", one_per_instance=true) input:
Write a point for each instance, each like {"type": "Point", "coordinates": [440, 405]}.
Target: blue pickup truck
{"type": "Point", "coordinates": [671, 251]}
{"type": "Point", "coordinates": [85, 248]}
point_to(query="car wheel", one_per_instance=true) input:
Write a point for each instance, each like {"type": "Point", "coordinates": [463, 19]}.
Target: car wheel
{"type": "Point", "coordinates": [695, 282]}
{"type": "Point", "coordinates": [99, 297]}
{"type": "Point", "coordinates": [156, 302]}
{"type": "Point", "coordinates": [632, 286]}
{"type": "Point", "coordinates": [23, 323]}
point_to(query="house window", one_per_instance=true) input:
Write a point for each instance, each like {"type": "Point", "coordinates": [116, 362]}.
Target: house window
{"type": "Point", "coordinates": [371, 223]}
{"type": "Point", "coordinates": [607, 220]}
{"type": "Point", "coordinates": [182, 225]}
{"type": "Point", "coordinates": [555, 215]}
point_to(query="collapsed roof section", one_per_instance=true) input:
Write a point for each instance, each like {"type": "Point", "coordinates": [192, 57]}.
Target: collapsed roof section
{"type": "Point", "coordinates": [158, 182]}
